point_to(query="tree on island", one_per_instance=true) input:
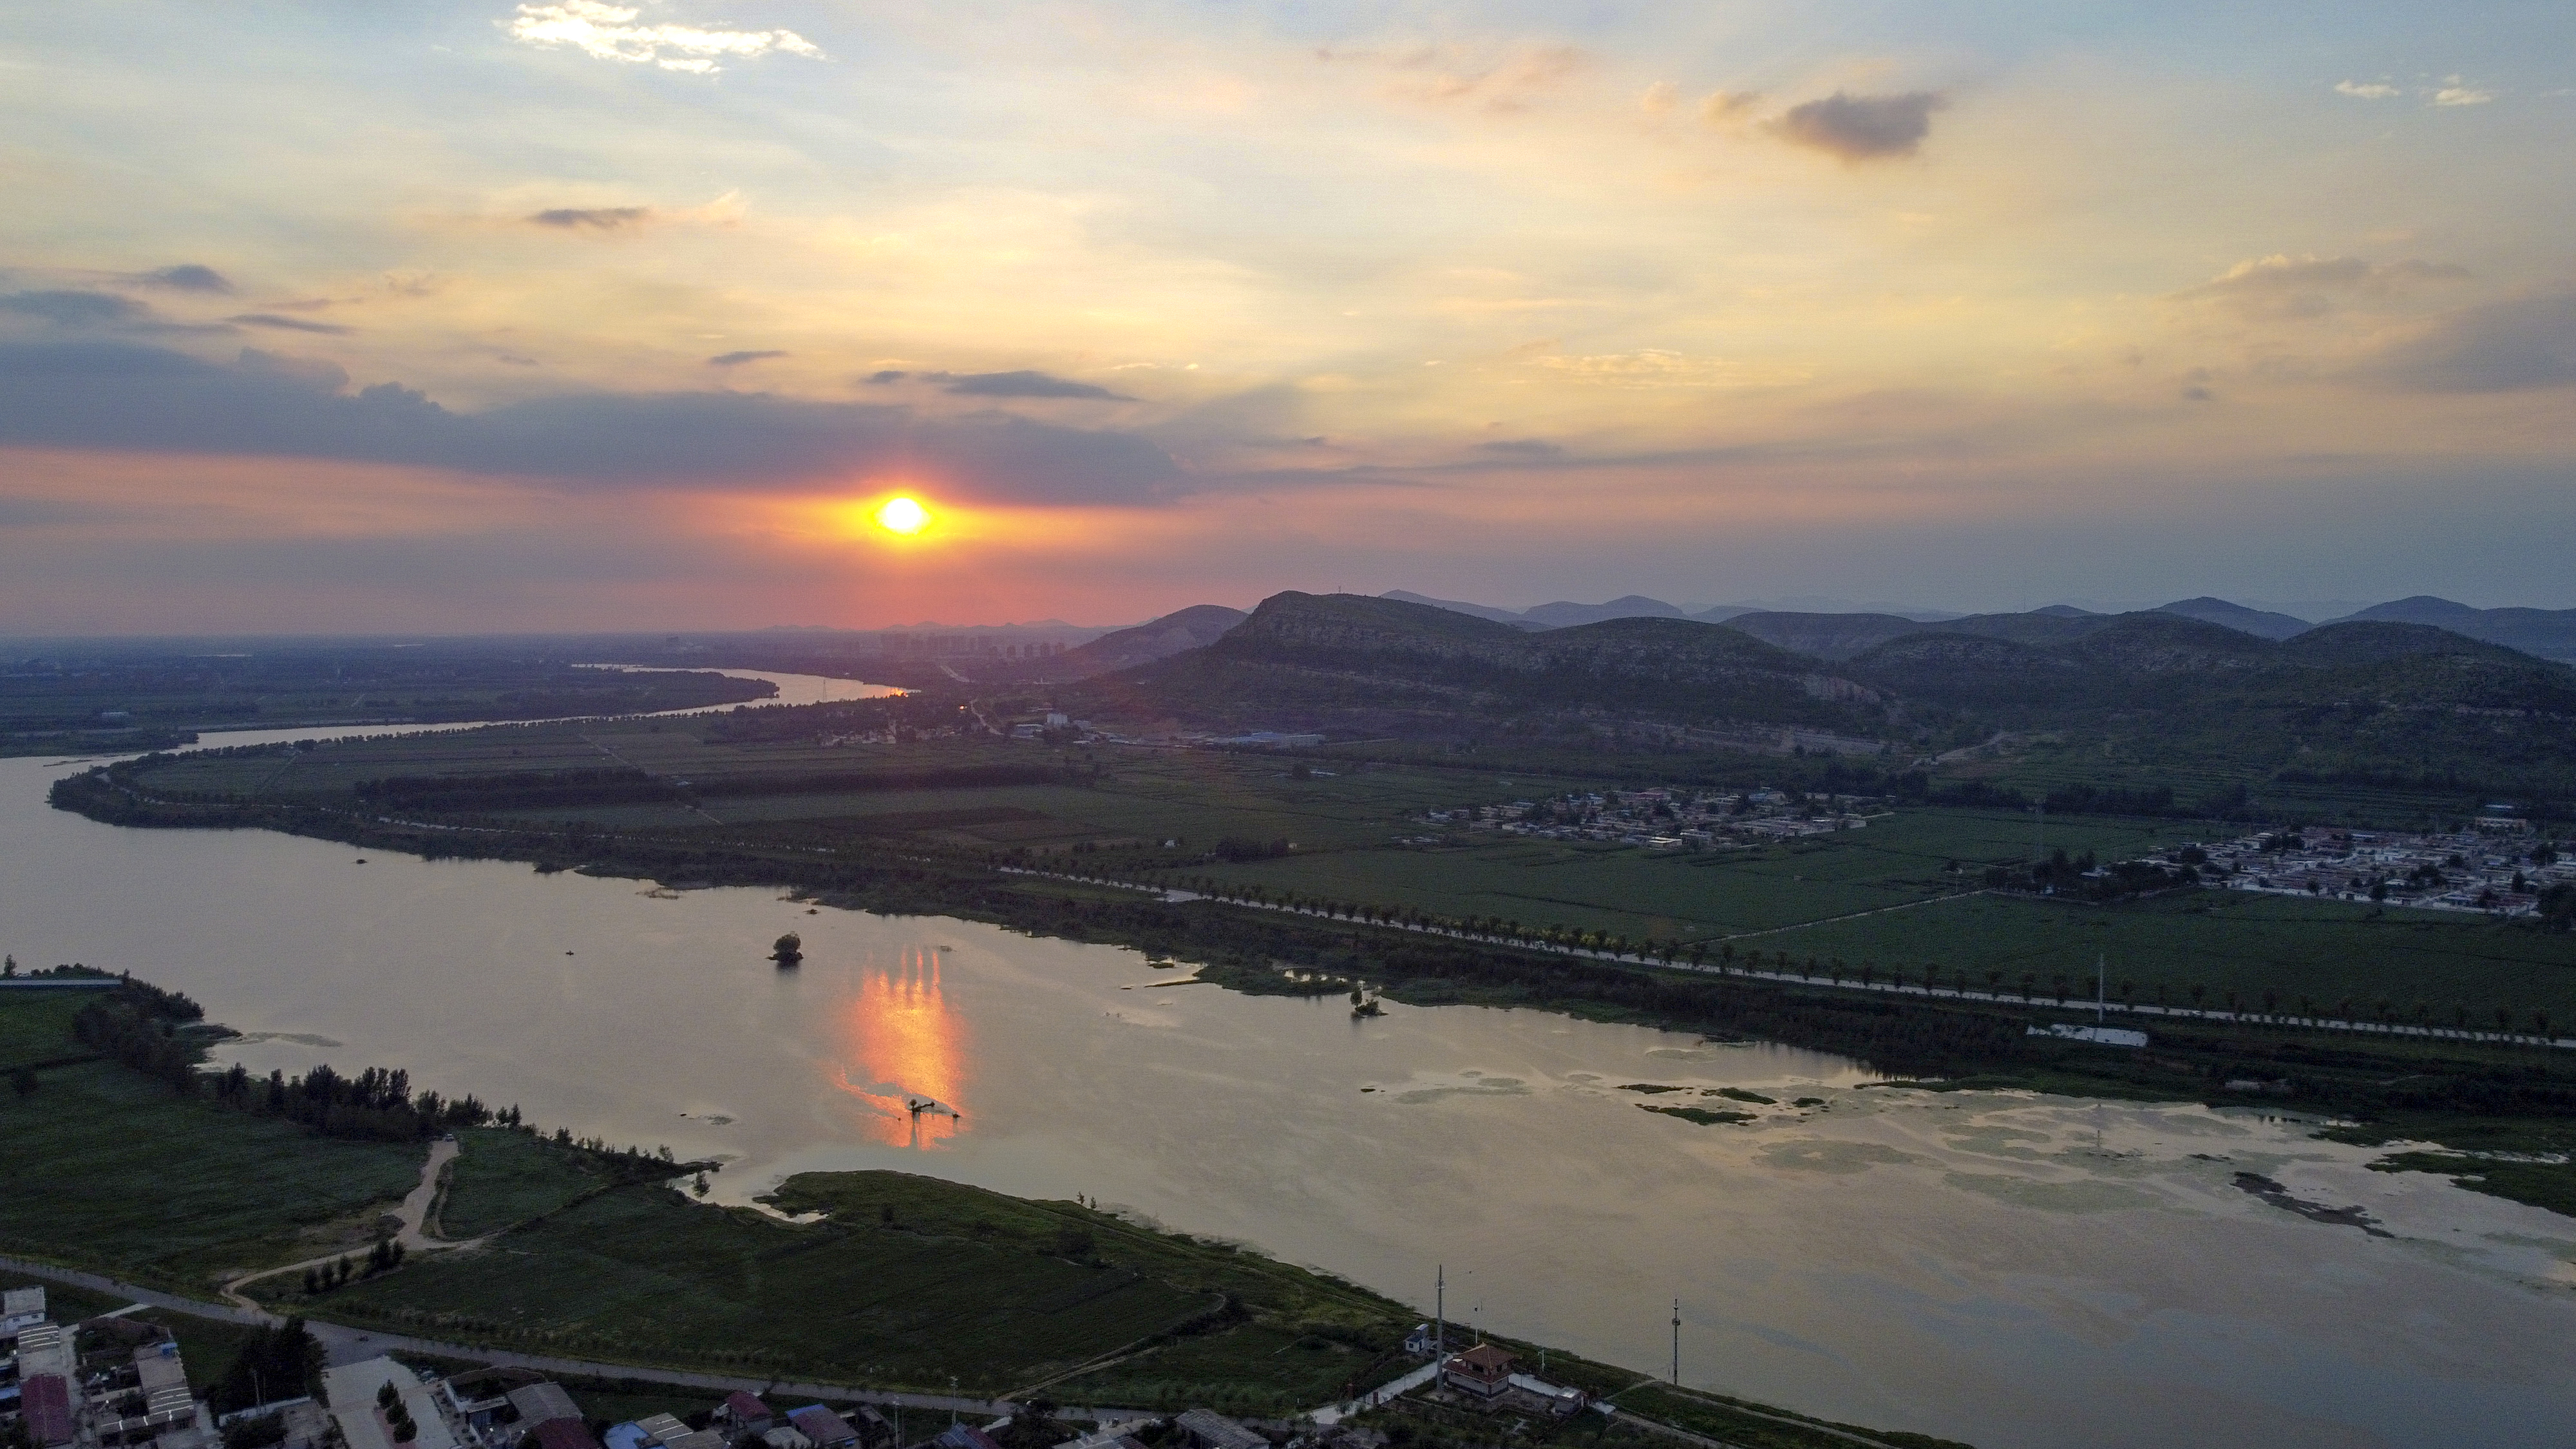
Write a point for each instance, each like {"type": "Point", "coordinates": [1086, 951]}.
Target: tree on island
{"type": "Point", "coordinates": [788, 949]}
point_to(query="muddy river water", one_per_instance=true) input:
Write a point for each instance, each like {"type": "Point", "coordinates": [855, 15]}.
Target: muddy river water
{"type": "Point", "coordinates": [2007, 1269]}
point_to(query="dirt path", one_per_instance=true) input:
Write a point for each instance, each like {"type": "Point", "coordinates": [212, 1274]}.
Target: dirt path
{"type": "Point", "coordinates": [412, 1214]}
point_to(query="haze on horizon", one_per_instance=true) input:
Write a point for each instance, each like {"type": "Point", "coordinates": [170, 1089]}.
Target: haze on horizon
{"type": "Point", "coordinates": [587, 315]}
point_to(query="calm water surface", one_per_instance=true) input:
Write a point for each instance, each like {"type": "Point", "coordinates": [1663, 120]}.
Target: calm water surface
{"type": "Point", "coordinates": [2006, 1269]}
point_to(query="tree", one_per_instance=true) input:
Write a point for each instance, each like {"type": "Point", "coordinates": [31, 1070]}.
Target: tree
{"type": "Point", "coordinates": [274, 1363]}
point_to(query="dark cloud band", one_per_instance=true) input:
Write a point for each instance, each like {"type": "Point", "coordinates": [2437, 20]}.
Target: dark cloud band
{"type": "Point", "coordinates": [121, 395]}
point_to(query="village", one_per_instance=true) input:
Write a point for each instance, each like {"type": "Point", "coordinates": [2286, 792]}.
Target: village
{"type": "Point", "coordinates": [2496, 868]}
{"type": "Point", "coordinates": [118, 1381]}
{"type": "Point", "coordinates": [1668, 817]}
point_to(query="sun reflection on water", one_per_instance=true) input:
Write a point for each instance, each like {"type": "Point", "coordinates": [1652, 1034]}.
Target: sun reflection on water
{"type": "Point", "coordinates": [904, 1054]}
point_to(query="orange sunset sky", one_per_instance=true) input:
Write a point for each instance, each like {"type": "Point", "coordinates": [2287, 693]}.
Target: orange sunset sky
{"type": "Point", "coordinates": [579, 315]}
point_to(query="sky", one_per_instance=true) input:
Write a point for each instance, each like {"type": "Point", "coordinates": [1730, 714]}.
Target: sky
{"type": "Point", "coordinates": [575, 315]}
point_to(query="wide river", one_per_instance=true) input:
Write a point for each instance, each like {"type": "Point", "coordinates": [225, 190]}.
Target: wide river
{"type": "Point", "coordinates": [2007, 1269]}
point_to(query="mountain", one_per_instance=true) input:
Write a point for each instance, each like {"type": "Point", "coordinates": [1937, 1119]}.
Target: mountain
{"type": "Point", "coordinates": [1195, 627]}
{"type": "Point", "coordinates": [1481, 611]}
{"type": "Point", "coordinates": [1347, 664]}
{"type": "Point", "coordinates": [1562, 615]}
{"type": "Point", "coordinates": [1826, 636]}
{"type": "Point", "coordinates": [2549, 633]}
{"type": "Point", "coordinates": [1558, 615]}
{"type": "Point", "coordinates": [2258, 622]}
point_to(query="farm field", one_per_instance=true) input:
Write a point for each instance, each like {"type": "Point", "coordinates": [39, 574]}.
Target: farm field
{"type": "Point", "coordinates": [2223, 941]}
{"type": "Point", "coordinates": [1893, 861]}
{"type": "Point", "coordinates": [157, 1188]}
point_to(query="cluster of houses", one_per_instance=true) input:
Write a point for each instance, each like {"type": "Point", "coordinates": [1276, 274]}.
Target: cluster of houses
{"type": "Point", "coordinates": [116, 1382]}
{"type": "Point", "coordinates": [2498, 869]}
{"type": "Point", "coordinates": [384, 1404]}
{"type": "Point", "coordinates": [130, 1391]}
{"type": "Point", "coordinates": [1667, 818]}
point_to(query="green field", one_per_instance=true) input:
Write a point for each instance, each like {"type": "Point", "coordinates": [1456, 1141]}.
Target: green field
{"type": "Point", "coordinates": [501, 1177]}
{"type": "Point", "coordinates": [2223, 941]}
{"type": "Point", "coordinates": [110, 1170]}
{"type": "Point", "coordinates": [1688, 896]}
{"type": "Point", "coordinates": [958, 1281]}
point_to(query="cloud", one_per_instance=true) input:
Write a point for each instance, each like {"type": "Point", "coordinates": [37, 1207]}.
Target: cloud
{"type": "Point", "coordinates": [1657, 367]}
{"type": "Point", "coordinates": [737, 359]}
{"type": "Point", "coordinates": [609, 32]}
{"type": "Point", "coordinates": [185, 277]}
{"type": "Point", "coordinates": [127, 396]}
{"type": "Point", "coordinates": [2367, 90]}
{"type": "Point", "coordinates": [1533, 449]}
{"type": "Point", "coordinates": [1510, 83]}
{"type": "Point", "coordinates": [592, 218]}
{"type": "Point", "coordinates": [1023, 384]}
{"type": "Point", "coordinates": [2457, 95]}
{"type": "Point", "coordinates": [76, 309]}
{"type": "Point", "coordinates": [1862, 128]}
{"type": "Point", "coordinates": [1724, 107]}
{"type": "Point", "coordinates": [2300, 287]}
{"type": "Point", "coordinates": [2501, 347]}
{"type": "Point", "coordinates": [290, 324]}
{"type": "Point", "coordinates": [886, 375]}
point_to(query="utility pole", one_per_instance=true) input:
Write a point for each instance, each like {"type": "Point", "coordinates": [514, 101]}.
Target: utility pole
{"type": "Point", "coordinates": [1440, 1312]}
{"type": "Point", "coordinates": [2101, 978]}
{"type": "Point", "coordinates": [1677, 1343]}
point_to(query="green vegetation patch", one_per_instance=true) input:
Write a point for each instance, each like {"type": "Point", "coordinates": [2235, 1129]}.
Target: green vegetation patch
{"type": "Point", "coordinates": [640, 1275]}
{"type": "Point", "coordinates": [112, 1171]}
{"type": "Point", "coordinates": [2551, 1185]}
{"type": "Point", "coordinates": [500, 1177]}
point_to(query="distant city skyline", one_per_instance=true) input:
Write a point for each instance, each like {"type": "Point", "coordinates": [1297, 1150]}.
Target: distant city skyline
{"type": "Point", "coordinates": [566, 314]}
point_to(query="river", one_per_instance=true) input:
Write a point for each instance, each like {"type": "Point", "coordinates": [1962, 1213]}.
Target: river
{"type": "Point", "coordinates": [2006, 1269]}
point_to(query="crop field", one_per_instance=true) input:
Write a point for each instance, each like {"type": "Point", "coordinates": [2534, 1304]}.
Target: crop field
{"type": "Point", "coordinates": [109, 1169]}
{"type": "Point", "coordinates": [1893, 861]}
{"type": "Point", "coordinates": [2223, 941]}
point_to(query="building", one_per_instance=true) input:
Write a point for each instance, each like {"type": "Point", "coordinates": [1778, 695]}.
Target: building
{"type": "Point", "coordinates": [542, 1403]}
{"type": "Point", "coordinates": [19, 1308]}
{"type": "Point", "coordinates": [561, 1434]}
{"type": "Point", "coordinates": [1210, 1430]}
{"type": "Point", "coordinates": [826, 1429]}
{"type": "Point", "coordinates": [965, 1436]}
{"type": "Point", "coordinates": [45, 1408]}
{"type": "Point", "coordinates": [1483, 1371]}
{"type": "Point", "coordinates": [744, 1415]}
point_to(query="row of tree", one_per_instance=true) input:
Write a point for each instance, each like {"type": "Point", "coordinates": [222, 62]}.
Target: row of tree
{"type": "Point", "coordinates": [376, 1104]}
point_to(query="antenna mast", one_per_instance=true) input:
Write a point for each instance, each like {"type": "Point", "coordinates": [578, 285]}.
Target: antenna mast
{"type": "Point", "coordinates": [1677, 1342]}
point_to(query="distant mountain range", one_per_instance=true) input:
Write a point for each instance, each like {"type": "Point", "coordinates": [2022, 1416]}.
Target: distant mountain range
{"type": "Point", "coordinates": [2548, 633]}
{"type": "Point", "coordinates": [2360, 700]}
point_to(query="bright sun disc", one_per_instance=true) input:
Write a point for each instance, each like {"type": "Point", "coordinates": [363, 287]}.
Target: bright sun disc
{"type": "Point", "coordinates": [902, 515]}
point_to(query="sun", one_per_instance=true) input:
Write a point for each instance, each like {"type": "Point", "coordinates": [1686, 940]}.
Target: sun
{"type": "Point", "coordinates": [902, 515]}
